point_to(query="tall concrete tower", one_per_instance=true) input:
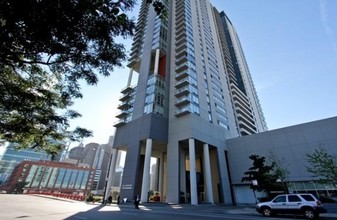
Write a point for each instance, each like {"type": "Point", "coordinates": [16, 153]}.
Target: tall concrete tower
{"type": "Point", "coordinates": [185, 105]}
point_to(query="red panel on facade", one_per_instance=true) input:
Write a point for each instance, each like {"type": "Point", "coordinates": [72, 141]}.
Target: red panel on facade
{"type": "Point", "coordinates": [162, 66]}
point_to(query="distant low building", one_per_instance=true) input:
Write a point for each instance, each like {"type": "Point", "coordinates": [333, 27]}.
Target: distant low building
{"type": "Point", "coordinates": [12, 157]}
{"type": "Point", "coordinates": [49, 177]}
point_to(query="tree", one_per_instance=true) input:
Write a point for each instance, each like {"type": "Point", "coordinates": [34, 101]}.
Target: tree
{"type": "Point", "coordinates": [261, 173]}
{"type": "Point", "coordinates": [322, 165]}
{"type": "Point", "coordinates": [279, 170]}
{"type": "Point", "coordinates": [46, 49]}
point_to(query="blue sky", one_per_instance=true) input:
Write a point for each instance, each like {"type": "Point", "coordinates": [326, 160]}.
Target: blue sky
{"type": "Point", "coordinates": [291, 50]}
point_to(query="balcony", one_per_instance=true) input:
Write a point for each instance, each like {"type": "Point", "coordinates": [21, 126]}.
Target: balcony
{"type": "Point", "coordinates": [181, 36]}
{"type": "Point", "coordinates": [134, 51]}
{"type": "Point", "coordinates": [133, 62]}
{"type": "Point", "coordinates": [183, 111]}
{"type": "Point", "coordinates": [128, 89]}
{"type": "Point", "coordinates": [181, 60]}
{"type": "Point", "coordinates": [180, 26]}
{"type": "Point", "coordinates": [180, 42]}
{"type": "Point", "coordinates": [121, 114]}
{"type": "Point", "coordinates": [180, 19]}
{"type": "Point", "coordinates": [181, 47]}
{"type": "Point", "coordinates": [182, 67]}
{"type": "Point", "coordinates": [182, 101]}
{"type": "Point", "coordinates": [182, 83]}
{"type": "Point", "coordinates": [125, 97]}
{"type": "Point", "coordinates": [244, 130]}
{"type": "Point", "coordinates": [182, 92]}
{"type": "Point", "coordinates": [119, 123]}
{"type": "Point", "coordinates": [182, 75]}
{"type": "Point", "coordinates": [182, 53]}
{"type": "Point", "coordinates": [124, 106]}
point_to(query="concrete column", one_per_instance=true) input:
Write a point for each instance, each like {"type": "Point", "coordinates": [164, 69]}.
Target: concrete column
{"type": "Point", "coordinates": [208, 177]}
{"type": "Point", "coordinates": [156, 62]}
{"type": "Point", "coordinates": [171, 183]}
{"type": "Point", "coordinates": [224, 178]}
{"type": "Point", "coordinates": [155, 178]}
{"type": "Point", "coordinates": [112, 168]}
{"type": "Point", "coordinates": [182, 172]}
{"type": "Point", "coordinates": [193, 173]}
{"type": "Point", "coordinates": [146, 172]}
{"type": "Point", "coordinates": [161, 176]}
{"type": "Point", "coordinates": [130, 77]}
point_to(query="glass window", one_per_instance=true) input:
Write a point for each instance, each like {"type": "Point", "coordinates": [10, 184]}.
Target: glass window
{"type": "Point", "coordinates": [148, 108]}
{"type": "Point", "coordinates": [280, 199]}
{"type": "Point", "coordinates": [308, 197]}
{"type": "Point", "coordinates": [85, 179]}
{"type": "Point", "coordinates": [66, 179]}
{"type": "Point", "coordinates": [60, 176]}
{"type": "Point", "coordinates": [45, 177]}
{"type": "Point", "coordinates": [31, 174]}
{"type": "Point", "coordinates": [294, 198]}
{"type": "Point", "coordinates": [38, 177]}
{"type": "Point", "coordinates": [53, 177]}
{"type": "Point", "coordinates": [79, 179]}
{"type": "Point", "coordinates": [149, 98]}
{"type": "Point", "coordinates": [72, 179]}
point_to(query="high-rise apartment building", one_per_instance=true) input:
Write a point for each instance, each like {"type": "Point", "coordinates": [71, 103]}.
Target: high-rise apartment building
{"type": "Point", "coordinates": [194, 91]}
{"type": "Point", "coordinates": [96, 156]}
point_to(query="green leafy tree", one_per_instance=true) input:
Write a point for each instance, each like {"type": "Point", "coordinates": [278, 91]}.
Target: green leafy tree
{"type": "Point", "coordinates": [46, 49]}
{"type": "Point", "coordinates": [280, 170]}
{"type": "Point", "coordinates": [322, 165]}
{"type": "Point", "coordinates": [262, 174]}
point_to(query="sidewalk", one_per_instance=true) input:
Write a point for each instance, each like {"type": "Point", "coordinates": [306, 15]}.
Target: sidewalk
{"type": "Point", "coordinates": [205, 208]}
{"type": "Point", "coordinates": [209, 208]}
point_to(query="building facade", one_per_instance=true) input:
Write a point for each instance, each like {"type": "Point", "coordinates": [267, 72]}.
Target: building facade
{"type": "Point", "coordinates": [289, 146]}
{"type": "Point", "coordinates": [13, 156]}
{"type": "Point", "coordinates": [49, 177]}
{"type": "Point", "coordinates": [194, 92]}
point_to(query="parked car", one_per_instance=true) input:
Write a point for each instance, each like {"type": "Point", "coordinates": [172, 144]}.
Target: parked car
{"type": "Point", "coordinates": [295, 204]}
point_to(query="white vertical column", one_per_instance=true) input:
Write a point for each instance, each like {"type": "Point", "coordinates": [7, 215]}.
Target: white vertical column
{"type": "Point", "coordinates": [193, 173]}
{"type": "Point", "coordinates": [130, 77]}
{"type": "Point", "coordinates": [112, 169]}
{"type": "Point", "coordinates": [146, 172]}
{"type": "Point", "coordinates": [208, 176]}
{"type": "Point", "coordinates": [156, 62]}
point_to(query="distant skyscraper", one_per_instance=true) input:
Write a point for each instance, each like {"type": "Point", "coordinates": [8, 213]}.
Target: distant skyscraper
{"type": "Point", "coordinates": [77, 153]}
{"type": "Point", "coordinates": [95, 156]}
{"type": "Point", "coordinates": [246, 105]}
{"type": "Point", "coordinates": [194, 91]}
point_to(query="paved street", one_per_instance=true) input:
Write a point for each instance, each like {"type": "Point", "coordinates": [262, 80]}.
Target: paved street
{"type": "Point", "coordinates": [33, 207]}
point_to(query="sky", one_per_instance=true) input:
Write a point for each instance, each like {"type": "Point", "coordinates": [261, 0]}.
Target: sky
{"type": "Point", "coordinates": [291, 50]}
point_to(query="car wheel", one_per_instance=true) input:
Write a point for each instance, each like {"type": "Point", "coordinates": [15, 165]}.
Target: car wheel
{"type": "Point", "coordinates": [310, 214]}
{"type": "Point", "coordinates": [266, 212]}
